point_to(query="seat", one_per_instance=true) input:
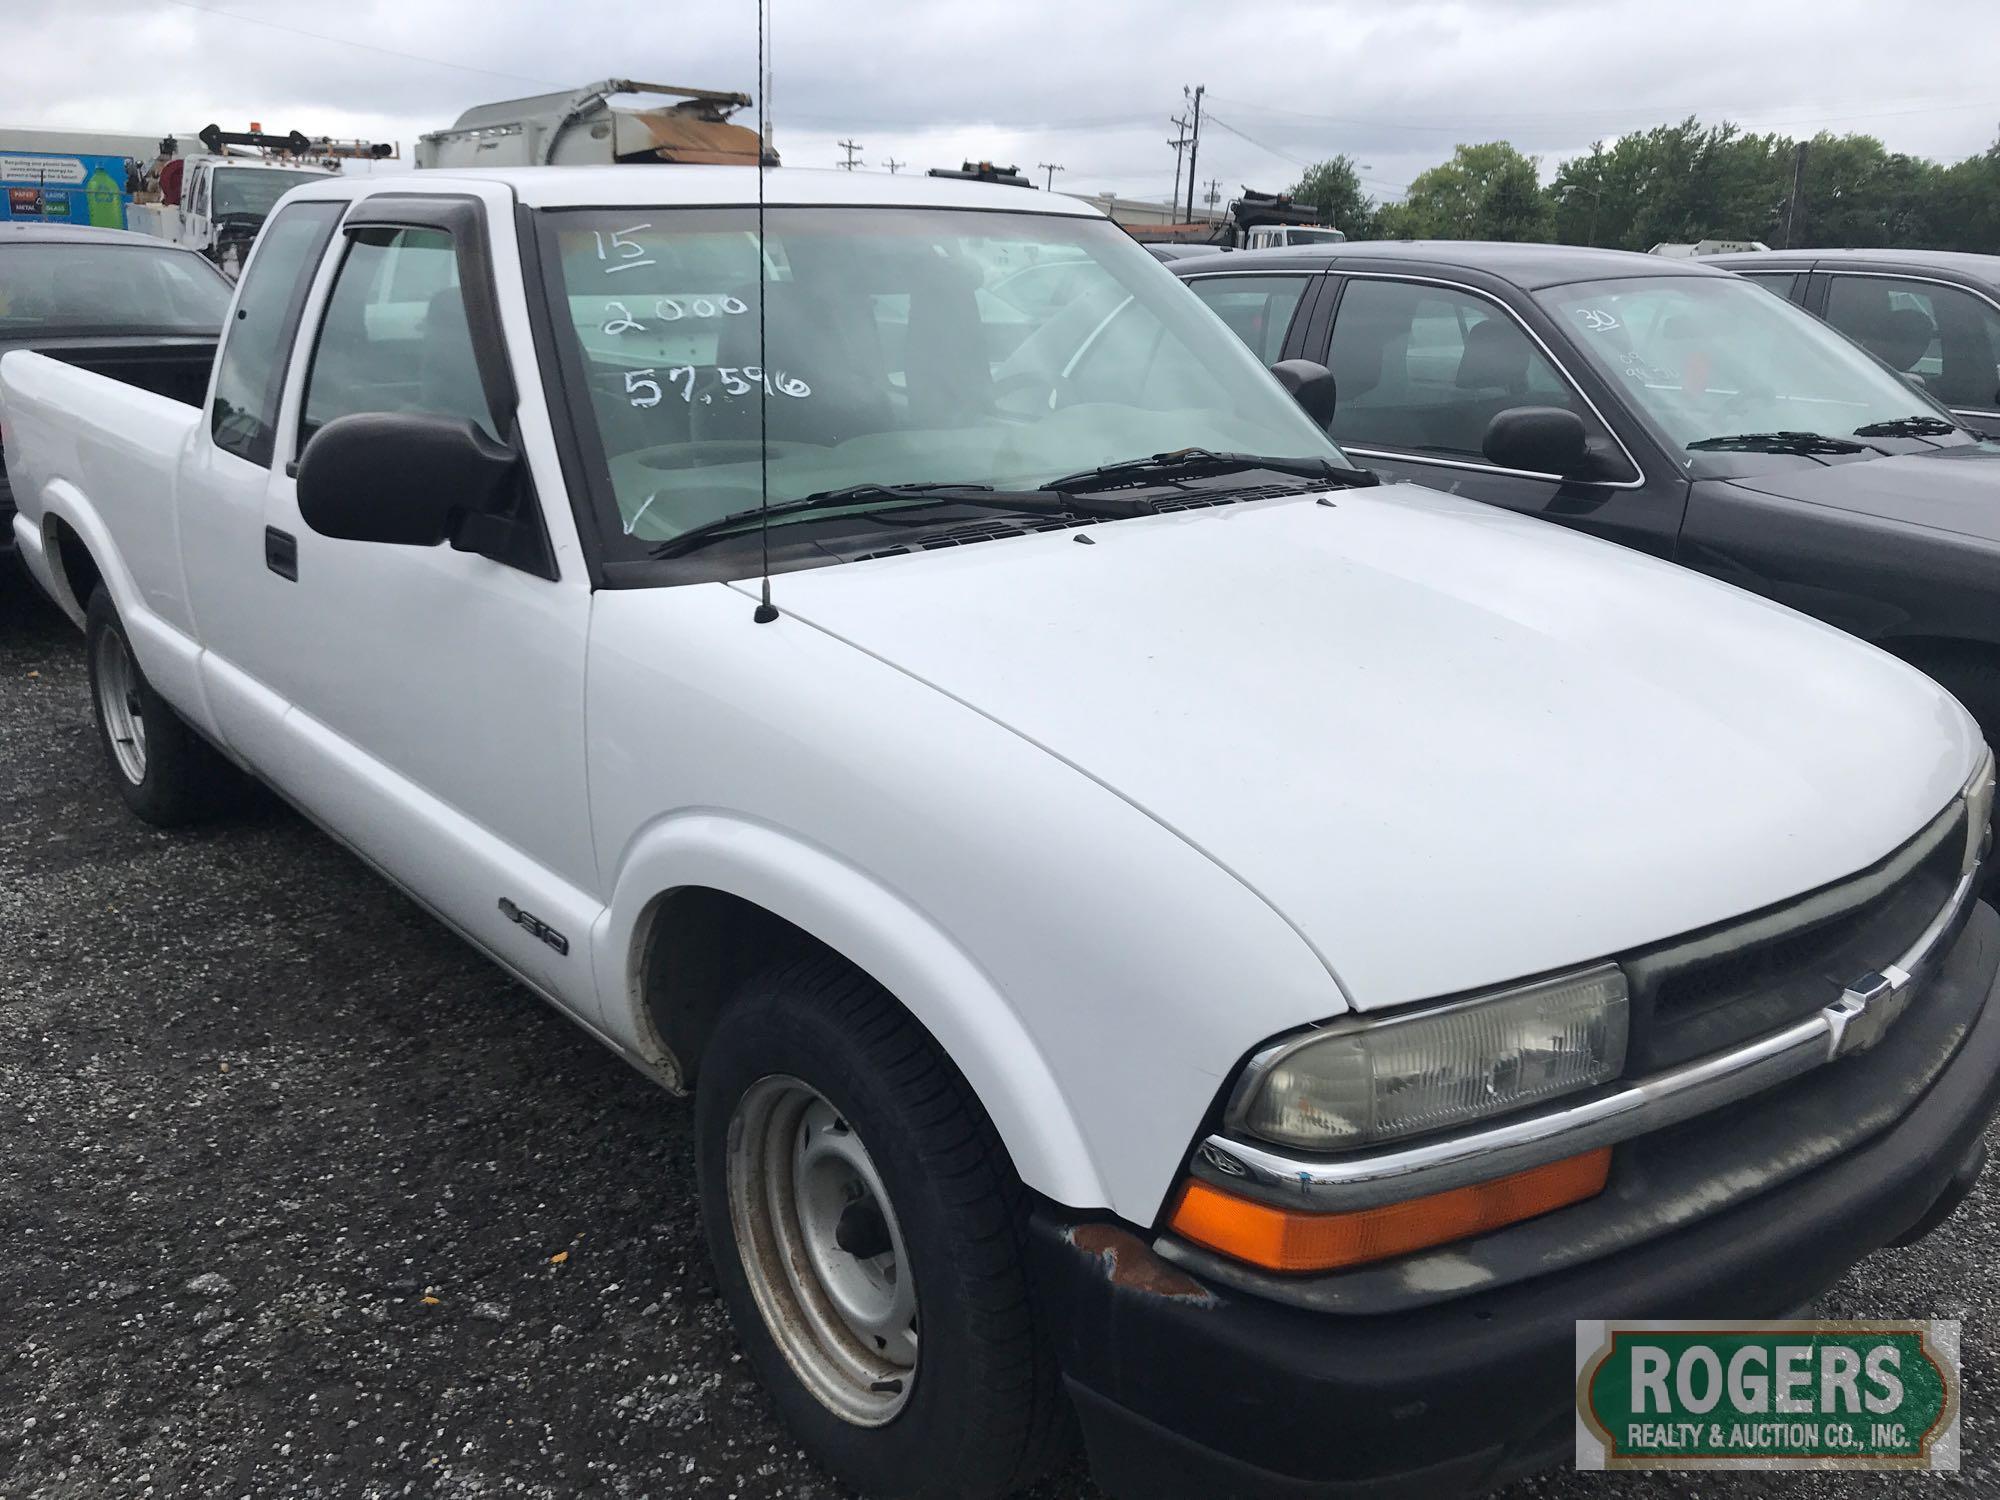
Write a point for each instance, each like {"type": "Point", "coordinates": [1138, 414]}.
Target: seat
{"type": "Point", "coordinates": [1898, 336]}
{"type": "Point", "coordinates": [946, 377]}
{"type": "Point", "coordinates": [1495, 358]}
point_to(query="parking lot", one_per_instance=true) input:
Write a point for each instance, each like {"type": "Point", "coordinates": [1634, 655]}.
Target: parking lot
{"type": "Point", "coordinates": [306, 1199]}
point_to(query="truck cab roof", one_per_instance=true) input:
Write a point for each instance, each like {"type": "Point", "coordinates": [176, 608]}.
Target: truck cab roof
{"type": "Point", "coordinates": [706, 186]}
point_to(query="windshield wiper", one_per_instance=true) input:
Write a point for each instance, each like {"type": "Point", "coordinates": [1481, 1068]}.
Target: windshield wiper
{"type": "Point", "coordinates": [1192, 463]}
{"type": "Point", "coordinates": [1918, 426]}
{"type": "Point", "coordinates": [1040, 502]}
{"type": "Point", "coordinates": [1804, 443]}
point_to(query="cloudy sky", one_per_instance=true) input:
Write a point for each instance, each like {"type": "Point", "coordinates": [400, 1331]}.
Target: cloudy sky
{"type": "Point", "coordinates": [1092, 86]}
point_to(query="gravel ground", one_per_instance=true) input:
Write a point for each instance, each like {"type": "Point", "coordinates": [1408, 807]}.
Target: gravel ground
{"type": "Point", "coordinates": [305, 1199]}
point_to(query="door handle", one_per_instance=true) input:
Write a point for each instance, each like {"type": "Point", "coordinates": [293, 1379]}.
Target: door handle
{"type": "Point", "coordinates": [281, 553]}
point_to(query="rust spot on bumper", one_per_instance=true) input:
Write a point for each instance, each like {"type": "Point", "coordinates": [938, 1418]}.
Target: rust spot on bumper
{"type": "Point", "coordinates": [1129, 1262]}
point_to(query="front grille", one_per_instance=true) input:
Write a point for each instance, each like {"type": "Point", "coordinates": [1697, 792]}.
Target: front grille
{"type": "Point", "coordinates": [1759, 973]}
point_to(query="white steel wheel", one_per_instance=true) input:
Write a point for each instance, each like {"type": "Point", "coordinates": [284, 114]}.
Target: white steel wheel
{"type": "Point", "coordinates": [120, 704]}
{"type": "Point", "coordinates": [822, 1250]}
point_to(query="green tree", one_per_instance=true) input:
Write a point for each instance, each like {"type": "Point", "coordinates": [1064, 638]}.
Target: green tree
{"type": "Point", "coordinates": [1680, 182]}
{"type": "Point", "coordinates": [1334, 188]}
{"type": "Point", "coordinates": [1487, 191]}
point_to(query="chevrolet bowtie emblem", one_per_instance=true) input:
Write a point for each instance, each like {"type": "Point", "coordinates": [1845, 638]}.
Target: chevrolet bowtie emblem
{"type": "Point", "coordinates": [1865, 1010]}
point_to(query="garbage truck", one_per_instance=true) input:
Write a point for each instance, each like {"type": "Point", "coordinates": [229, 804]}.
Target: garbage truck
{"type": "Point", "coordinates": [581, 127]}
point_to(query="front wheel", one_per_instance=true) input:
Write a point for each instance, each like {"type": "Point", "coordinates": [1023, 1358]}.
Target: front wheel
{"type": "Point", "coordinates": [868, 1235]}
{"type": "Point", "coordinates": [167, 773]}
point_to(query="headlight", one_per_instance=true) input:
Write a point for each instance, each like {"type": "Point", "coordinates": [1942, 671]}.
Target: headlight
{"type": "Point", "coordinates": [1978, 809]}
{"type": "Point", "coordinates": [1359, 1082]}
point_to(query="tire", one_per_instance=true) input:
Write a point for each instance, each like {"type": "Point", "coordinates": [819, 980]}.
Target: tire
{"type": "Point", "coordinates": [167, 774]}
{"type": "Point", "coordinates": [810, 1061]}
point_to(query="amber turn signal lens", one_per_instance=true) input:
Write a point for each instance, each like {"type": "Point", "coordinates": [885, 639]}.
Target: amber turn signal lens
{"type": "Point", "coordinates": [1285, 1239]}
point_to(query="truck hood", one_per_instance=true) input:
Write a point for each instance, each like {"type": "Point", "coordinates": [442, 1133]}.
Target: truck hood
{"type": "Point", "coordinates": [1450, 745]}
{"type": "Point", "coordinates": [1949, 489]}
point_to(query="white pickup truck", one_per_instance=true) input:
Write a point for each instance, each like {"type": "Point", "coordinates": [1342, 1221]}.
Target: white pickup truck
{"type": "Point", "coordinates": [1156, 925]}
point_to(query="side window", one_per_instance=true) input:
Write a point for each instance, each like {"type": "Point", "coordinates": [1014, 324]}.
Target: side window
{"type": "Point", "coordinates": [1784, 283]}
{"type": "Point", "coordinates": [1948, 337]}
{"type": "Point", "coordinates": [1425, 368]}
{"type": "Point", "coordinates": [1258, 309]}
{"type": "Point", "coordinates": [250, 370]}
{"type": "Point", "coordinates": [395, 335]}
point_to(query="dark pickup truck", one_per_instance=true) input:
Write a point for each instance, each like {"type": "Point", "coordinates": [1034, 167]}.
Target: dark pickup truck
{"type": "Point", "coordinates": [125, 305]}
{"type": "Point", "coordinates": [1660, 403]}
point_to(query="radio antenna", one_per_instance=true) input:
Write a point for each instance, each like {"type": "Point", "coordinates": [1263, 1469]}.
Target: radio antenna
{"type": "Point", "coordinates": [766, 611]}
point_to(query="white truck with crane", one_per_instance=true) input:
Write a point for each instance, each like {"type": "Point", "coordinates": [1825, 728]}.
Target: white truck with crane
{"type": "Point", "coordinates": [217, 200]}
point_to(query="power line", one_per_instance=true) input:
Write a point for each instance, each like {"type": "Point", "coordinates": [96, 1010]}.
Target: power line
{"type": "Point", "coordinates": [1051, 167]}
{"type": "Point", "coordinates": [853, 150]}
{"type": "Point", "coordinates": [322, 36]}
{"type": "Point", "coordinates": [1387, 187]}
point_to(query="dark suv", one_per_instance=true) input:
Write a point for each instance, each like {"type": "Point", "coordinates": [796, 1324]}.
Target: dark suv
{"type": "Point", "coordinates": [1665, 404]}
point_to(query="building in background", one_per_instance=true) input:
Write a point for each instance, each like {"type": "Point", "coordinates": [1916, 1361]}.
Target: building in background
{"type": "Point", "coordinates": [1148, 211]}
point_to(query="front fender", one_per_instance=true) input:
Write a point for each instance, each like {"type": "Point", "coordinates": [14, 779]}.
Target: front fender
{"type": "Point", "coordinates": [881, 933]}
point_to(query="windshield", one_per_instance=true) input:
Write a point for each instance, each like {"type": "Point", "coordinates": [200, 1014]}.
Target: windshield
{"type": "Point", "coordinates": [1712, 358]}
{"type": "Point", "coordinates": [1315, 236]}
{"type": "Point", "coordinates": [117, 288]}
{"type": "Point", "coordinates": [251, 192]}
{"type": "Point", "coordinates": [903, 346]}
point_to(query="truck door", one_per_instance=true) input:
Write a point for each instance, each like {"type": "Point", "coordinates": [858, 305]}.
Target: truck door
{"type": "Point", "coordinates": [228, 474]}
{"type": "Point", "coordinates": [437, 696]}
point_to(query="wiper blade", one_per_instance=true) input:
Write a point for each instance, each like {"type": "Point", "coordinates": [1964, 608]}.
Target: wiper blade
{"type": "Point", "coordinates": [1919, 426]}
{"type": "Point", "coordinates": [1191, 463]}
{"type": "Point", "coordinates": [1806, 443]}
{"type": "Point", "coordinates": [1033, 502]}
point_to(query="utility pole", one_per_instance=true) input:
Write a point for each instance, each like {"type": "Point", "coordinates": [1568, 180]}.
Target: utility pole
{"type": "Point", "coordinates": [1194, 148]}
{"type": "Point", "coordinates": [1214, 194]}
{"type": "Point", "coordinates": [892, 164]}
{"type": "Point", "coordinates": [1798, 182]}
{"type": "Point", "coordinates": [1179, 143]}
{"type": "Point", "coordinates": [853, 150]}
{"type": "Point", "coordinates": [1051, 167]}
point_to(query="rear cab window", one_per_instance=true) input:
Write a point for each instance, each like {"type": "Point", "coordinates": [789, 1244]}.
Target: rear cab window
{"type": "Point", "coordinates": [257, 342]}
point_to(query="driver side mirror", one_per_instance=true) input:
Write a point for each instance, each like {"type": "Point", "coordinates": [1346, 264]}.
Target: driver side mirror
{"type": "Point", "coordinates": [415, 479]}
{"type": "Point", "coordinates": [1544, 440]}
{"type": "Point", "coordinates": [1310, 384]}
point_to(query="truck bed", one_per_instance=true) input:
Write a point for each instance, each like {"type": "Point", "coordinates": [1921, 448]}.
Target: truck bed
{"type": "Point", "coordinates": [176, 368]}
{"type": "Point", "coordinates": [173, 368]}
{"type": "Point", "coordinates": [102, 452]}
